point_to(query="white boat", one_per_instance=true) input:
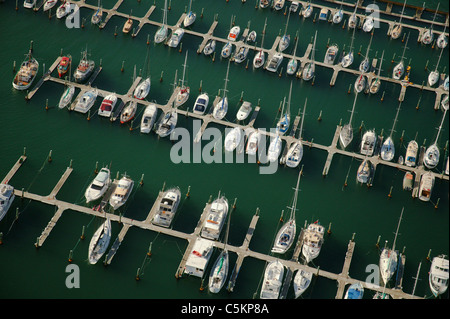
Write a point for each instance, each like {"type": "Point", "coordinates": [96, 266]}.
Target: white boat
{"type": "Point", "coordinates": [190, 17]}
{"type": "Point", "coordinates": [213, 223]}
{"type": "Point", "coordinates": [438, 275]}
{"type": "Point", "coordinates": [444, 103]}
{"type": "Point", "coordinates": [128, 113]}
{"type": "Point", "coordinates": [376, 83]}
{"type": "Point", "coordinates": [312, 241]}
{"type": "Point", "coordinates": [368, 24]}
{"type": "Point", "coordinates": [433, 77]}
{"type": "Point", "coordinates": [353, 19]}
{"type": "Point", "coordinates": [198, 258]}
{"type": "Point", "coordinates": [107, 106]}
{"type": "Point", "coordinates": [163, 30]}
{"type": "Point", "coordinates": [432, 154]}
{"type": "Point", "coordinates": [278, 4]}
{"type": "Point", "coordinates": [428, 35]}
{"type": "Point", "coordinates": [355, 291]}
{"type": "Point", "coordinates": [251, 36]}
{"type": "Point", "coordinates": [127, 25]}
{"type": "Point", "coordinates": [286, 38]}
{"type": "Point", "coordinates": [331, 54]}
{"type": "Point", "coordinates": [293, 63]}
{"type": "Point", "coordinates": [6, 198]}
{"type": "Point", "coordinates": [264, 4]}
{"type": "Point", "coordinates": [50, 4]}
{"type": "Point", "coordinates": [99, 242]}
{"type": "Point", "coordinates": [294, 154]}
{"type": "Point", "coordinates": [389, 257]}
{"type": "Point", "coordinates": [388, 149]}
{"type": "Point", "coordinates": [148, 118]}
{"type": "Point", "coordinates": [167, 207]}
{"type": "Point", "coordinates": [273, 64]}
{"type": "Point", "coordinates": [234, 140]}
{"type": "Point", "coordinates": [368, 143]}
{"type": "Point", "coordinates": [121, 193]}
{"type": "Point", "coordinates": [27, 73]}
{"type": "Point", "coordinates": [307, 10]}
{"type": "Point", "coordinates": [273, 276]}
{"type": "Point", "coordinates": [97, 15]}
{"type": "Point", "coordinates": [84, 69]}
{"type": "Point", "coordinates": [226, 50]}
{"type": "Point", "coordinates": [221, 107]}
{"type": "Point", "coordinates": [337, 17]}
{"type": "Point", "coordinates": [244, 111]}
{"type": "Point", "coordinates": [62, 10]}
{"type": "Point", "coordinates": [446, 84]}
{"type": "Point", "coordinates": [209, 48]}
{"type": "Point", "coordinates": [241, 54]}
{"type": "Point", "coordinates": [285, 118]}
{"type": "Point", "coordinates": [446, 167]}
{"type": "Point", "coordinates": [411, 153]}
{"type": "Point", "coordinates": [442, 41]}
{"type": "Point", "coordinates": [360, 83]}
{"type": "Point", "coordinates": [323, 14]}
{"type": "Point", "coordinates": [167, 123]}
{"type": "Point", "coordinates": [274, 149]}
{"type": "Point", "coordinates": [310, 67]}
{"type": "Point", "coordinates": [408, 181]}
{"type": "Point", "coordinates": [175, 38]}
{"type": "Point", "coordinates": [260, 56]}
{"type": "Point", "coordinates": [286, 235]}
{"type": "Point", "coordinates": [301, 282]}
{"type": "Point", "coordinates": [426, 186]}
{"type": "Point", "coordinates": [66, 97]}
{"type": "Point", "coordinates": [98, 186]}
{"type": "Point", "coordinates": [234, 33]}
{"type": "Point", "coordinates": [347, 60]}
{"type": "Point", "coordinates": [201, 104]}
{"type": "Point", "coordinates": [86, 101]}
{"type": "Point", "coordinates": [29, 4]}
{"type": "Point", "coordinates": [346, 133]}
{"type": "Point", "coordinates": [365, 171]}
{"type": "Point", "coordinates": [294, 6]}
{"type": "Point", "coordinates": [397, 29]}
{"type": "Point", "coordinates": [142, 90]}
{"type": "Point", "coordinates": [253, 142]}
{"type": "Point", "coordinates": [183, 92]}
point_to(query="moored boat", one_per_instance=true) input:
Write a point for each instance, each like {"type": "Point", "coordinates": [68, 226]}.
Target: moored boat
{"type": "Point", "coordinates": [368, 143]}
{"type": "Point", "coordinates": [6, 198]}
{"type": "Point", "coordinates": [274, 62]}
{"type": "Point", "coordinates": [29, 4]}
{"type": "Point", "coordinates": [253, 142]}
{"type": "Point", "coordinates": [175, 38]}
{"type": "Point", "coordinates": [226, 50]}
{"type": "Point", "coordinates": [307, 10]}
{"type": "Point", "coordinates": [244, 111]}
{"type": "Point", "coordinates": [66, 97]}
{"type": "Point", "coordinates": [365, 172]}
{"type": "Point", "coordinates": [167, 123]}
{"type": "Point", "coordinates": [63, 9]}
{"type": "Point", "coordinates": [50, 4]}
{"type": "Point", "coordinates": [107, 106]}
{"type": "Point", "coordinates": [234, 33]}
{"type": "Point", "coordinates": [121, 193]}
{"type": "Point", "coordinates": [278, 4]}
{"type": "Point", "coordinates": [190, 17]}
{"type": "Point", "coordinates": [337, 17]}
{"type": "Point", "coordinates": [301, 282]}
{"type": "Point", "coordinates": [98, 186]}
{"type": "Point", "coordinates": [128, 112]}
{"type": "Point", "coordinates": [86, 101]}
{"type": "Point", "coordinates": [411, 153]}
{"type": "Point", "coordinates": [408, 181]}
{"type": "Point", "coordinates": [127, 25]}
{"type": "Point", "coordinates": [294, 154]}
{"type": "Point", "coordinates": [163, 30]}
{"type": "Point", "coordinates": [64, 65]}
{"type": "Point", "coordinates": [99, 242]}
{"type": "Point", "coordinates": [167, 207]}
{"type": "Point", "coordinates": [388, 149]}
{"type": "Point", "coordinates": [360, 83]}
{"type": "Point", "coordinates": [439, 275]}
{"type": "Point", "coordinates": [201, 104]}
{"type": "Point", "coordinates": [142, 90]}
{"type": "Point", "coordinates": [273, 276]}
{"type": "Point", "coordinates": [234, 140]}
{"type": "Point", "coordinates": [274, 149]}
{"type": "Point", "coordinates": [210, 47]}
{"type": "Point", "coordinates": [331, 54]}
{"type": "Point", "coordinates": [213, 224]}
{"type": "Point", "coordinates": [84, 69]}
{"type": "Point", "coordinates": [148, 118]}
{"type": "Point", "coordinates": [368, 24]}
{"type": "Point", "coordinates": [27, 73]}
{"type": "Point", "coordinates": [355, 291]}
{"type": "Point", "coordinates": [426, 186]}
{"type": "Point", "coordinates": [312, 241]}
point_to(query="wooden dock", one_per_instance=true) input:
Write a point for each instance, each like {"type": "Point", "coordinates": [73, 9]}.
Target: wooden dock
{"type": "Point", "coordinates": [14, 169]}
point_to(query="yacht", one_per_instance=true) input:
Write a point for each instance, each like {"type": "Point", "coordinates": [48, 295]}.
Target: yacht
{"type": "Point", "coordinates": [442, 41]}
{"type": "Point", "coordinates": [307, 10]}
{"type": "Point", "coordinates": [66, 97]}
{"type": "Point", "coordinates": [167, 207]}
{"type": "Point", "coordinates": [301, 282]}
{"type": "Point", "coordinates": [128, 112]}
{"type": "Point", "coordinates": [411, 153]}
{"type": "Point", "coordinates": [426, 186]}
{"type": "Point", "coordinates": [274, 149]}
{"type": "Point", "coordinates": [226, 50]}
{"type": "Point", "coordinates": [127, 25]}
{"type": "Point", "coordinates": [365, 171]}
{"type": "Point", "coordinates": [234, 33]}
{"type": "Point", "coordinates": [368, 143]}
{"type": "Point", "coordinates": [62, 10]}
{"type": "Point", "coordinates": [364, 65]}
{"type": "Point", "coordinates": [337, 17]}
{"type": "Point", "coordinates": [273, 276]}
{"type": "Point", "coordinates": [286, 38]}
{"type": "Point", "coordinates": [86, 101]}
{"type": "Point", "coordinates": [221, 107]}
{"type": "Point", "coordinates": [98, 186]}
{"type": "Point", "coordinates": [234, 140]}
{"type": "Point", "coordinates": [209, 48]}
{"type": "Point", "coordinates": [84, 69]}
{"type": "Point", "coordinates": [167, 123]}
{"type": "Point", "coordinates": [353, 19]}
{"type": "Point", "coordinates": [399, 68]}
{"type": "Point", "coordinates": [27, 73]}
{"type": "Point", "coordinates": [107, 106]}
{"type": "Point", "coordinates": [278, 4]}
{"type": "Point", "coordinates": [183, 92]}
{"type": "Point", "coordinates": [121, 193]}
{"type": "Point", "coordinates": [408, 181]}
{"type": "Point", "coordinates": [389, 257]}
{"type": "Point", "coordinates": [97, 15]}
{"type": "Point", "coordinates": [331, 54]}
{"type": "Point", "coordinates": [431, 158]}
{"type": "Point", "coordinates": [190, 17]}
{"type": "Point", "coordinates": [163, 30]}
{"type": "Point", "coordinates": [64, 65]}
{"type": "Point", "coordinates": [244, 111]}
{"type": "Point", "coordinates": [397, 29]}
{"type": "Point", "coordinates": [368, 24]}
{"type": "Point", "coordinates": [99, 242]}
{"type": "Point", "coordinates": [148, 118]}
{"type": "Point", "coordinates": [213, 224]}
{"type": "Point", "coordinates": [346, 134]}
{"type": "Point", "coordinates": [274, 62]}
{"type": "Point", "coordinates": [312, 241]}
{"type": "Point", "coordinates": [427, 36]}
{"type": "Point", "coordinates": [347, 60]}
{"type": "Point", "coordinates": [6, 198]}
{"type": "Point", "coordinates": [175, 38]}
{"type": "Point", "coordinates": [253, 142]}
{"type": "Point", "coordinates": [360, 83]}
{"type": "Point", "coordinates": [438, 275]}
{"type": "Point", "coordinates": [201, 104]}
{"type": "Point", "coordinates": [241, 54]}
{"type": "Point", "coordinates": [355, 291]}
{"type": "Point", "coordinates": [142, 90]}
{"type": "Point", "coordinates": [286, 235]}
{"type": "Point", "coordinates": [29, 4]}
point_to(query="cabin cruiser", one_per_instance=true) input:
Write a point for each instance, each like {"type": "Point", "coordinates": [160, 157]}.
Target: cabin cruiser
{"type": "Point", "coordinates": [86, 101]}
{"type": "Point", "coordinates": [264, 4]}
{"type": "Point", "coordinates": [388, 149]}
{"type": "Point", "coordinates": [29, 4]}
{"type": "Point", "coordinates": [273, 276]}
{"type": "Point", "coordinates": [127, 26]}
{"type": "Point", "coordinates": [6, 198]}
{"type": "Point", "coordinates": [301, 282]}
{"type": "Point", "coordinates": [99, 242]}
{"type": "Point", "coordinates": [121, 193]}
{"type": "Point", "coordinates": [294, 6]}
{"type": "Point", "coordinates": [66, 97]}
{"type": "Point", "coordinates": [175, 38]}
{"type": "Point", "coordinates": [107, 106]}
{"type": "Point", "coordinates": [368, 143]}
{"type": "Point", "coordinates": [431, 158]}
{"type": "Point", "coordinates": [365, 171]}
{"type": "Point", "coordinates": [241, 55]}
{"type": "Point", "coordinates": [411, 153]}
{"type": "Point", "coordinates": [312, 241]}
{"type": "Point", "coordinates": [244, 111]}
{"type": "Point", "coordinates": [278, 4]}
{"type": "Point", "coordinates": [26, 74]}
{"type": "Point", "coordinates": [212, 226]}
{"type": "Point", "coordinates": [274, 62]}
{"type": "Point", "coordinates": [148, 118]}
{"type": "Point", "coordinates": [251, 36]}
{"type": "Point", "coordinates": [167, 207]}
{"type": "Point", "coordinates": [142, 89]}
{"type": "Point", "coordinates": [438, 275]}
{"type": "Point", "coordinates": [98, 186]}
{"type": "Point", "coordinates": [408, 181]}
{"type": "Point", "coordinates": [201, 104]}
{"type": "Point", "coordinates": [64, 65]}
{"type": "Point", "coordinates": [426, 186]}
{"type": "Point", "coordinates": [307, 11]}
{"type": "Point", "coordinates": [234, 33]}
{"type": "Point", "coordinates": [128, 112]}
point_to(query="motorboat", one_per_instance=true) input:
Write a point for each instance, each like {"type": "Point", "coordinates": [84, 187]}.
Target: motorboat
{"type": "Point", "coordinates": [365, 172]}
{"type": "Point", "coordinates": [368, 24]}
{"type": "Point", "coordinates": [167, 123]}
{"type": "Point", "coordinates": [64, 65]}
{"type": "Point", "coordinates": [127, 25]}
{"type": "Point", "coordinates": [368, 143]}
{"type": "Point", "coordinates": [121, 193]}
{"type": "Point", "coordinates": [301, 282]}
{"type": "Point", "coordinates": [307, 10]}
{"type": "Point", "coordinates": [175, 38]}
{"type": "Point", "coordinates": [241, 54]}
{"type": "Point", "coordinates": [397, 28]}
{"type": "Point", "coordinates": [388, 149]}
{"type": "Point", "coordinates": [128, 112]}
{"type": "Point", "coordinates": [97, 15]}
{"type": "Point", "coordinates": [264, 4]}
{"type": "Point", "coordinates": [323, 14]}
{"type": "Point", "coordinates": [312, 241]}
{"type": "Point", "coordinates": [360, 83]}
{"type": "Point", "coordinates": [50, 4]}
{"type": "Point", "coordinates": [346, 133]}
{"type": "Point", "coordinates": [244, 111]}
{"type": "Point", "coordinates": [253, 142]}
{"type": "Point", "coordinates": [29, 4]}
{"type": "Point", "coordinates": [86, 101]}
{"type": "Point", "coordinates": [376, 83]}
{"type": "Point", "coordinates": [221, 107]}
{"type": "Point", "coordinates": [389, 258]}
{"type": "Point", "coordinates": [107, 106]}
{"type": "Point", "coordinates": [278, 4]}
{"type": "Point", "coordinates": [234, 140]}
{"type": "Point", "coordinates": [201, 104]}
{"type": "Point", "coordinates": [438, 275]}
{"type": "Point", "coordinates": [337, 17]}
{"type": "Point", "coordinates": [226, 50]}
{"type": "Point", "coordinates": [62, 10]}
{"type": "Point", "coordinates": [213, 223]}
{"type": "Point", "coordinates": [331, 54]}
{"type": "Point", "coordinates": [167, 207]}
{"type": "Point", "coordinates": [274, 62]}
{"type": "Point", "coordinates": [189, 19]}
{"type": "Point", "coordinates": [66, 97]}
{"type": "Point", "coordinates": [274, 149]}
{"type": "Point", "coordinates": [273, 276]}
{"type": "Point", "coordinates": [355, 291]}
{"type": "Point", "coordinates": [6, 198]}
{"type": "Point", "coordinates": [163, 30]}
{"type": "Point", "coordinates": [294, 6]}
{"type": "Point", "coordinates": [234, 33]}
{"type": "Point", "coordinates": [286, 235]}
{"type": "Point", "coordinates": [99, 242]}
{"type": "Point", "coordinates": [251, 36]}
{"type": "Point", "coordinates": [426, 186]}
{"type": "Point", "coordinates": [411, 153]}
{"type": "Point", "coordinates": [98, 186]}
{"type": "Point", "coordinates": [142, 90]}
{"type": "Point", "coordinates": [84, 69]}
{"type": "Point", "coordinates": [219, 272]}
{"type": "Point", "coordinates": [148, 118]}
{"type": "Point", "coordinates": [408, 181]}
{"type": "Point", "coordinates": [209, 48]}
{"type": "Point", "coordinates": [26, 74]}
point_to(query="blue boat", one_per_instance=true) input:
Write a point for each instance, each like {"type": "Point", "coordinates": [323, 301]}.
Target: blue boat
{"type": "Point", "coordinates": [355, 291]}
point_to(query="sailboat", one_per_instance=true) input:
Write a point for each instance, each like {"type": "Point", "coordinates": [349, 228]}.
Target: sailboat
{"type": "Point", "coordinates": [428, 35]}
{"type": "Point", "coordinates": [260, 57]}
{"type": "Point", "coordinates": [355, 291]}
{"type": "Point", "coordinates": [66, 97]}
{"type": "Point", "coordinates": [286, 235]}
{"type": "Point", "coordinates": [397, 29]}
{"type": "Point", "coordinates": [286, 38]}
{"type": "Point", "coordinates": [432, 154]}
{"type": "Point", "coordinates": [183, 93]}
{"type": "Point", "coordinates": [364, 65]}
{"type": "Point", "coordinates": [433, 77]}
{"type": "Point", "coordinates": [347, 60]}
{"type": "Point", "coordinates": [307, 10]}
{"type": "Point", "coordinates": [274, 149]}
{"type": "Point", "coordinates": [99, 242]}
{"type": "Point", "coordinates": [360, 83]}
{"type": "Point", "coordinates": [97, 15]}
{"type": "Point", "coordinates": [338, 15]}
{"type": "Point", "coordinates": [63, 9]}
{"type": "Point", "coordinates": [253, 142]}
{"type": "Point", "coordinates": [210, 47]}
{"type": "Point", "coordinates": [310, 67]}
{"type": "Point", "coordinates": [167, 123]}
{"type": "Point", "coordinates": [143, 89]}
{"type": "Point", "coordinates": [411, 153]}
{"type": "Point", "coordinates": [331, 54]}
{"type": "Point", "coordinates": [365, 172]}
{"type": "Point", "coordinates": [221, 107]}
{"type": "Point", "coordinates": [234, 140]}
{"type": "Point", "coordinates": [6, 198]}
{"type": "Point", "coordinates": [346, 134]}
{"type": "Point", "coordinates": [442, 40]}
{"type": "Point", "coordinates": [273, 276]}
{"type": "Point", "coordinates": [389, 258]}
{"type": "Point", "coordinates": [293, 63]}
{"type": "Point", "coordinates": [128, 113]}
{"type": "Point", "coordinates": [439, 275]}
{"type": "Point", "coordinates": [285, 118]}
{"type": "Point", "coordinates": [376, 83]}
{"type": "Point", "coordinates": [388, 148]}
{"type": "Point", "coordinates": [399, 69]}
{"type": "Point", "coordinates": [353, 19]}
{"type": "Point", "coordinates": [213, 223]}
{"type": "Point", "coordinates": [368, 24]}
{"type": "Point", "coordinates": [190, 17]}
{"type": "Point", "coordinates": [163, 30]}
{"type": "Point", "coordinates": [295, 153]}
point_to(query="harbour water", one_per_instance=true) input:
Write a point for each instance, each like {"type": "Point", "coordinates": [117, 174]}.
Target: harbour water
{"type": "Point", "coordinates": [366, 213]}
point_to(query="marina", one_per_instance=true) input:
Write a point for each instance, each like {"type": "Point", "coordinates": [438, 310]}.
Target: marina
{"type": "Point", "coordinates": [48, 202]}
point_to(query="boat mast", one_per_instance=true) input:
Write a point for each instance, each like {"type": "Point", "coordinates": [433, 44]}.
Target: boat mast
{"type": "Point", "coordinates": [398, 227]}
{"type": "Point", "coordinates": [263, 34]}
{"type": "Point", "coordinates": [417, 278]}
{"type": "Point", "coordinates": [303, 117]}
{"type": "Point", "coordinates": [395, 119]}
{"type": "Point", "coordinates": [294, 201]}
{"type": "Point", "coordinates": [184, 69]}
{"type": "Point", "coordinates": [165, 13]}
{"type": "Point", "coordinates": [353, 38]}
{"type": "Point", "coordinates": [404, 49]}
{"type": "Point", "coordinates": [439, 60]}
{"type": "Point", "coordinates": [314, 46]}
{"type": "Point", "coordinates": [440, 127]}
{"type": "Point", "coordinates": [288, 110]}
{"type": "Point", "coordinates": [287, 22]}
{"type": "Point", "coordinates": [381, 62]}
{"type": "Point", "coordinates": [401, 16]}
{"type": "Point", "coordinates": [226, 81]}
{"type": "Point", "coordinates": [435, 13]}
{"type": "Point", "coordinates": [226, 233]}
{"type": "Point", "coordinates": [353, 109]}
{"type": "Point", "coordinates": [368, 48]}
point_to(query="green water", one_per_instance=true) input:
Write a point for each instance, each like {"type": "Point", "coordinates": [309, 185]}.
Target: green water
{"type": "Point", "coordinates": [26, 272]}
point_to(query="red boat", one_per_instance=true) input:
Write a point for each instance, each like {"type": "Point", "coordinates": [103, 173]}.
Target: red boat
{"type": "Point", "coordinates": [64, 65]}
